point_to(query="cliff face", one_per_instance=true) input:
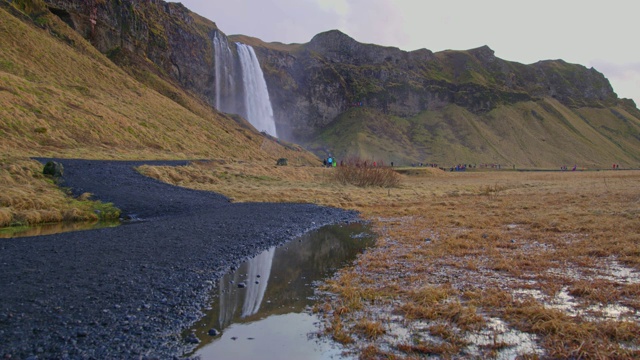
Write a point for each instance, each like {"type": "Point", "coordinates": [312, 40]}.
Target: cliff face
{"type": "Point", "coordinates": [313, 84]}
{"type": "Point", "coordinates": [164, 38]}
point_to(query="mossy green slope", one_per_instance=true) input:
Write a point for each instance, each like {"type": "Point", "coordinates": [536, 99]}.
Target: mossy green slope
{"type": "Point", "coordinates": [536, 134]}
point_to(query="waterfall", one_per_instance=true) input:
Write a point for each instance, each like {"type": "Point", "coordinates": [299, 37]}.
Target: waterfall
{"type": "Point", "coordinates": [240, 85]}
{"type": "Point", "coordinates": [226, 89]}
{"type": "Point", "coordinates": [256, 95]}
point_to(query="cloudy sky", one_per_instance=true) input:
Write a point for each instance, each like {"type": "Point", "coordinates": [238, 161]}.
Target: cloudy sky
{"type": "Point", "coordinates": [601, 34]}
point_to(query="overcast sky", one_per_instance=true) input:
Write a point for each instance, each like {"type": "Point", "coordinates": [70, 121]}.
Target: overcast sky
{"type": "Point", "coordinates": [602, 34]}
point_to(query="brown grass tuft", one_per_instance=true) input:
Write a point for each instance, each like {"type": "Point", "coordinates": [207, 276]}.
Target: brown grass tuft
{"type": "Point", "coordinates": [29, 198]}
{"type": "Point", "coordinates": [5, 217]}
{"type": "Point", "coordinates": [370, 329]}
{"type": "Point", "coordinates": [360, 173]}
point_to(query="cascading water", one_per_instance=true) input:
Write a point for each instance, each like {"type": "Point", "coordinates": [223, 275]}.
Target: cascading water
{"type": "Point", "coordinates": [228, 95]}
{"type": "Point", "coordinates": [240, 85]}
{"type": "Point", "coordinates": [256, 95]}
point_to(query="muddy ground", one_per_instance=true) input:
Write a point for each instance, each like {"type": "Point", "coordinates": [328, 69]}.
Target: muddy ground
{"type": "Point", "coordinates": [128, 291]}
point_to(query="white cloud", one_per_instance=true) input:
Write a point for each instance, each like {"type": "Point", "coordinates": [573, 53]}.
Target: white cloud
{"type": "Point", "coordinates": [340, 7]}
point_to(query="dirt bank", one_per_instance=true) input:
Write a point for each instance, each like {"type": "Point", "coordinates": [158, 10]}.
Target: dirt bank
{"type": "Point", "coordinates": [127, 292]}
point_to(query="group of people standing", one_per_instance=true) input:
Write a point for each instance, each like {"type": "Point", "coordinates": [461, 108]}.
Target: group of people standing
{"type": "Point", "coordinates": [330, 162]}
{"type": "Point", "coordinates": [564, 168]}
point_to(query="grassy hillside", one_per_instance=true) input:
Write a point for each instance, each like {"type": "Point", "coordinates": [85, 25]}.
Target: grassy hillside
{"type": "Point", "coordinates": [61, 97]}
{"type": "Point", "coordinates": [540, 134]}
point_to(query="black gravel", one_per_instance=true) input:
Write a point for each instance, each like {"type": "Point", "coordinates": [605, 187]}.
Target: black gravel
{"type": "Point", "coordinates": [128, 292]}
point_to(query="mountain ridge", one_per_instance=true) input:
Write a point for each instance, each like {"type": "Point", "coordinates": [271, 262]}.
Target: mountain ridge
{"type": "Point", "coordinates": [341, 73]}
{"type": "Point", "coordinates": [313, 86]}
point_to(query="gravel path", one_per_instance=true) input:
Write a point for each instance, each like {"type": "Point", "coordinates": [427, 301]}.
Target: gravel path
{"type": "Point", "coordinates": [129, 291]}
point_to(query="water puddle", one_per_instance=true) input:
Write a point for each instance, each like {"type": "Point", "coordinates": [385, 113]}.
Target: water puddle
{"type": "Point", "coordinates": [261, 310]}
{"type": "Point", "coordinates": [55, 228]}
{"type": "Point", "coordinates": [506, 343]}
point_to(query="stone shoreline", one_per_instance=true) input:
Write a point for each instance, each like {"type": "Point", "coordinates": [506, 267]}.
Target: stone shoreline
{"type": "Point", "coordinates": [129, 291]}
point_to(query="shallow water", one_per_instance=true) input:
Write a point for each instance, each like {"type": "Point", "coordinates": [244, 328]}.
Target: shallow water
{"type": "Point", "coordinates": [268, 318]}
{"type": "Point", "coordinates": [56, 228]}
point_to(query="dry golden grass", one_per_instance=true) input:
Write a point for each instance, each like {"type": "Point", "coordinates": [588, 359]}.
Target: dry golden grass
{"type": "Point", "coordinates": [546, 252]}
{"type": "Point", "coordinates": [27, 198]}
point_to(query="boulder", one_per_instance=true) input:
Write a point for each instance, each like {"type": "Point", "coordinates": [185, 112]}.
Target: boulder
{"type": "Point", "coordinates": [54, 169]}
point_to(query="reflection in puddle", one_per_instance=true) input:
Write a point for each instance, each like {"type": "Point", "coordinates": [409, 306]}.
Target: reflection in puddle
{"type": "Point", "coordinates": [258, 269]}
{"type": "Point", "coordinates": [261, 309]}
{"type": "Point", "coordinates": [56, 228]}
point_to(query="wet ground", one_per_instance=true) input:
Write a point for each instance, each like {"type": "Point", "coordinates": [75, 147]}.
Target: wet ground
{"type": "Point", "coordinates": [266, 303]}
{"type": "Point", "coordinates": [130, 291]}
{"type": "Point", "coordinates": [54, 228]}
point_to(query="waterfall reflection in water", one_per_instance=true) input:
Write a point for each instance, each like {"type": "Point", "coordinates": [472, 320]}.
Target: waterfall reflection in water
{"type": "Point", "coordinates": [258, 269]}
{"type": "Point", "coordinates": [271, 312]}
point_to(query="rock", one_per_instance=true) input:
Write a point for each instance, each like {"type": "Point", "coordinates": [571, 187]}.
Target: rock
{"type": "Point", "coordinates": [281, 162]}
{"type": "Point", "coordinates": [192, 339]}
{"type": "Point", "coordinates": [213, 332]}
{"type": "Point", "coordinates": [53, 168]}
{"type": "Point", "coordinates": [242, 285]}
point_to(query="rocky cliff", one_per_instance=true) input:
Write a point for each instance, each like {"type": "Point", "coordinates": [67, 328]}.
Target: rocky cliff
{"type": "Point", "coordinates": [333, 72]}
{"type": "Point", "coordinates": [334, 84]}
{"type": "Point", "coordinates": [151, 35]}
{"type": "Point", "coordinates": [339, 96]}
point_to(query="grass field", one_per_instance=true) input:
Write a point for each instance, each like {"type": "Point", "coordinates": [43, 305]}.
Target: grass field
{"type": "Point", "coordinates": [475, 264]}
